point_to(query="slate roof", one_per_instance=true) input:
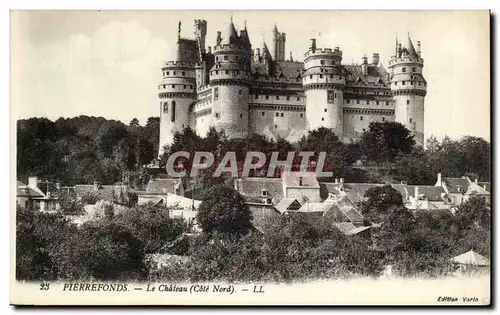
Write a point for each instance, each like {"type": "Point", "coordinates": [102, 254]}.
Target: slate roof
{"type": "Point", "coordinates": [283, 205]}
{"type": "Point", "coordinates": [289, 69]}
{"type": "Point", "coordinates": [453, 184]}
{"type": "Point", "coordinates": [293, 179]}
{"type": "Point", "coordinates": [345, 227]}
{"type": "Point", "coordinates": [315, 207]}
{"type": "Point", "coordinates": [433, 193]}
{"type": "Point", "coordinates": [24, 191]}
{"type": "Point", "coordinates": [252, 187]}
{"type": "Point", "coordinates": [162, 186]}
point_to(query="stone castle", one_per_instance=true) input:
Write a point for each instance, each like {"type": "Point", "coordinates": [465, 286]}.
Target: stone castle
{"type": "Point", "coordinates": [243, 90]}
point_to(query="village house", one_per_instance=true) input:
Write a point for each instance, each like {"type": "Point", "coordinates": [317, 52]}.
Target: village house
{"type": "Point", "coordinates": [37, 196]}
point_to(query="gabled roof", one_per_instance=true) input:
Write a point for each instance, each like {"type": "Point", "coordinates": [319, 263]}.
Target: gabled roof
{"type": "Point", "coordinates": [456, 185]}
{"type": "Point", "coordinates": [471, 258]}
{"type": "Point", "coordinates": [253, 186]}
{"type": "Point", "coordinates": [285, 204]}
{"type": "Point", "coordinates": [25, 191]}
{"type": "Point", "coordinates": [433, 193]}
{"type": "Point", "coordinates": [106, 192]}
{"type": "Point", "coordinates": [299, 179]}
{"type": "Point", "coordinates": [162, 186]}
{"type": "Point", "coordinates": [315, 207]}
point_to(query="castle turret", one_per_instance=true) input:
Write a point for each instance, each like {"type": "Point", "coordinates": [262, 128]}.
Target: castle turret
{"type": "Point", "coordinates": [176, 91]}
{"type": "Point", "coordinates": [324, 84]}
{"type": "Point", "coordinates": [409, 87]}
{"type": "Point", "coordinates": [229, 78]}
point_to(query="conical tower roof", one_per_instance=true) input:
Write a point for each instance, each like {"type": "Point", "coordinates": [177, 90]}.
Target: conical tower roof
{"type": "Point", "coordinates": [411, 49]}
{"type": "Point", "coordinates": [471, 258]}
{"type": "Point", "coordinates": [231, 36]}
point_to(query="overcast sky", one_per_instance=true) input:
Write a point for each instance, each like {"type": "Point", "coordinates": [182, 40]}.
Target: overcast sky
{"type": "Point", "coordinates": [70, 63]}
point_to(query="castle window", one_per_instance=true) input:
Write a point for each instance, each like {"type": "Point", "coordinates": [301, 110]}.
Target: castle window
{"type": "Point", "coordinates": [298, 98]}
{"type": "Point", "coordinates": [301, 115]}
{"type": "Point", "coordinates": [168, 72]}
{"type": "Point", "coordinates": [240, 92]}
{"type": "Point", "coordinates": [216, 93]}
{"type": "Point", "coordinates": [364, 129]}
{"type": "Point", "coordinates": [277, 97]}
{"type": "Point", "coordinates": [237, 72]}
{"type": "Point", "coordinates": [277, 114]}
{"type": "Point", "coordinates": [367, 102]}
{"type": "Point", "coordinates": [330, 97]}
{"type": "Point", "coordinates": [288, 98]}
{"type": "Point", "coordinates": [322, 118]}
{"type": "Point", "coordinates": [172, 117]}
{"type": "Point", "coordinates": [322, 62]}
{"type": "Point", "coordinates": [173, 86]}
{"type": "Point", "coordinates": [414, 69]}
{"type": "Point", "coordinates": [386, 103]}
{"type": "Point", "coordinates": [184, 87]}
{"type": "Point", "coordinates": [411, 82]}
{"type": "Point", "coordinates": [267, 97]}
{"type": "Point", "coordinates": [383, 118]}
{"type": "Point", "coordinates": [357, 101]}
{"type": "Point", "coordinates": [378, 103]}
{"type": "Point", "coordinates": [263, 114]}
{"type": "Point", "coordinates": [331, 76]}
{"type": "Point", "coordinates": [325, 110]}
{"type": "Point", "coordinates": [237, 58]}
{"type": "Point", "coordinates": [227, 71]}
{"type": "Point", "coordinates": [281, 114]}
{"type": "Point", "coordinates": [241, 115]}
{"type": "Point", "coordinates": [335, 95]}
{"type": "Point", "coordinates": [275, 126]}
{"type": "Point", "coordinates": [418, 82]}
{"type": "Point", "coordinates": [403, 83]}
{"type": "Point", "coordinates": [311, 76]}
{"type": "Point", "coordinates": [395, 83]}
{"type": "Point", "coordinates": [165, 108]}
{"type": "Point", "coordinates": [321, 70]}
{"type": "Point", "coordinates": [216, 59]}
{"type": "Point", "coordinates": [183, 73]}
{"type": "Point", "coordinates": [216, 115]}
{"type": "Point", "coordinates": [404, 69]}
{"type": "Point", "coordinates": [348, 101]}
{"type": "Point", "coordinates": [411, 120]}
{"type": "Point", "coordinates": [321, 76]}
{"type": "Point", "coordinates": [361, 118]}
{"type": "Point", "coordinates": [216, 71]}
{"type": "Point", "coordinates": [407, 102]}
{"type": "Point", "coordinates": [225, 58]}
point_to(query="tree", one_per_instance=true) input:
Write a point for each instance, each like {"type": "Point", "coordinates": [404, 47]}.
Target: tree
{"type": "Point", "coordinates": [384, 141]}
{"type": "Point", "coordinates": [379, 200]}
{"type": "Point", "coordinates": [474, 213]}
{"type": "Point", "coordinates": [224, 210]}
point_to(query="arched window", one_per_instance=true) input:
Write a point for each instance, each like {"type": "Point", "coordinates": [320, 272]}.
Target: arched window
{"type": "Point", "coordinates": [172, 113]}
{"type": "Point", "coordinates": [165, 107]}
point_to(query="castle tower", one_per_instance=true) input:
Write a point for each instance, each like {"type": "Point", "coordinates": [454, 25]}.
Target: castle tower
{"type": "Point", "coordinates": [176, 91]}
{"type": "Point", "coordinates": [278, 45]}
{"type": "Point", "coordinates": [229, 78]}
{"type": "Point", "coordinates": [324, 84]}
{"type": "Point", "coordinates": [409, 88]}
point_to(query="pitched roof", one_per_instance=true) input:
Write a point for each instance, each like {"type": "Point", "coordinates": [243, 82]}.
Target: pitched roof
{"type": "Point", "coordinates": [26, 191]}
{"type": "Point", "coordinates": [252, 187]}
{"type": "Point", "coordinates": [357, 230]}
{"type": "Point", "coordinates": [285, 203]}
{"type": "Point", "coordinates": [298, 179]}
{"type": "Point", "coordinates": [456, 185]}
{"type": "Point", "coordinates": [290, 69]}
{"type": "Point", "coordinates": [162, 186]}
{"type": "Point", "coordinates": [471, 258]}
{"type": "Point", "coordinates": [345, 227]}
{"type": "Point", "coordinates": [315, 207]}
{"type": "Point", "coordinates": [355, 191]}
{"type": "Point", "coordinates": [433, 193]}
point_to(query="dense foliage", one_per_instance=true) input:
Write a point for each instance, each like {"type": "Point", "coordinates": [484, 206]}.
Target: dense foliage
{"type": "Point", "coordinates": [85, 149]}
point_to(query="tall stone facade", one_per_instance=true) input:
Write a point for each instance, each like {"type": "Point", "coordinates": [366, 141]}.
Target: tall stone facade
{"type": "Point", "coordinates": [244, 90]}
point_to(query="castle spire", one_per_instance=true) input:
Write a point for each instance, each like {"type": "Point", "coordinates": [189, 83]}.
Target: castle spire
{"type": "Point", "coordinates": [410, 48]}
{"type": "Point", "coordinates": [179, 31]}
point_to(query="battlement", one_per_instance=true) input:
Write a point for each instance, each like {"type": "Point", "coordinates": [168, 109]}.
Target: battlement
{"type": "Point", "coordinates": [227, 47]}
{"type": "Point", "coordinates": [336, 52]}
{"type": "Point", "coordinates": [402, 60]}
{"type": "Point", "coordinates": [279, 80]}
{"type": "Point", "coordinates": [177, 64]}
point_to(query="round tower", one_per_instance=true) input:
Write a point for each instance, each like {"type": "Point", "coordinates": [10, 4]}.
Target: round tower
{"type": "Point", "coordinates": [177, 91]}
{"type": "Point", "coordinates": [324, 84]}
{"type": "Point", "coordinates": [229, 78]}
{"type": "Point", "coordinates": [409, 87]}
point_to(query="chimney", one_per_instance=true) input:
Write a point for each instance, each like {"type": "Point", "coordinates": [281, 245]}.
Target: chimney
{"type": "Point", "coordinates": [475, 181]}
{"type": "Point", "coordinates": [416, 192]}
{"type": "Point", "coordinates": [375, 59]}
{"type": "Point", "coordinates": [341, 180]}
{"type": "Point", "coordinates": [58, 185]}
{"type": "Point", "coordinates": [336, 180]}
{"type": "Point", "coordinates": [258, 52]}
{"type": "Point", "coordinates": [313, 44]}
{"type": "Point", "coordinates": [418, 48]}
{"type": "Point", "coordinates": [96, 185]}
{"type": "Point", "coordinates": [364, 66]}
{"type": "Point", "coordinates": [209, 49]}
{"type": "Point", "coordinates": [439, 180]}
{"type": "Point", "coordinates": [33, 182]}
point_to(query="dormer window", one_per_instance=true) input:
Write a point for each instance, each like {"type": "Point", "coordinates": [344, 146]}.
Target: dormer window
{"type": "Point", "coordinates": [264, 193]}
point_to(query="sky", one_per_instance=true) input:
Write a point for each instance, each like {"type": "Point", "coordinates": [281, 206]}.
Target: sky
{"type": "Point", "coordinates": [108, 63]}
